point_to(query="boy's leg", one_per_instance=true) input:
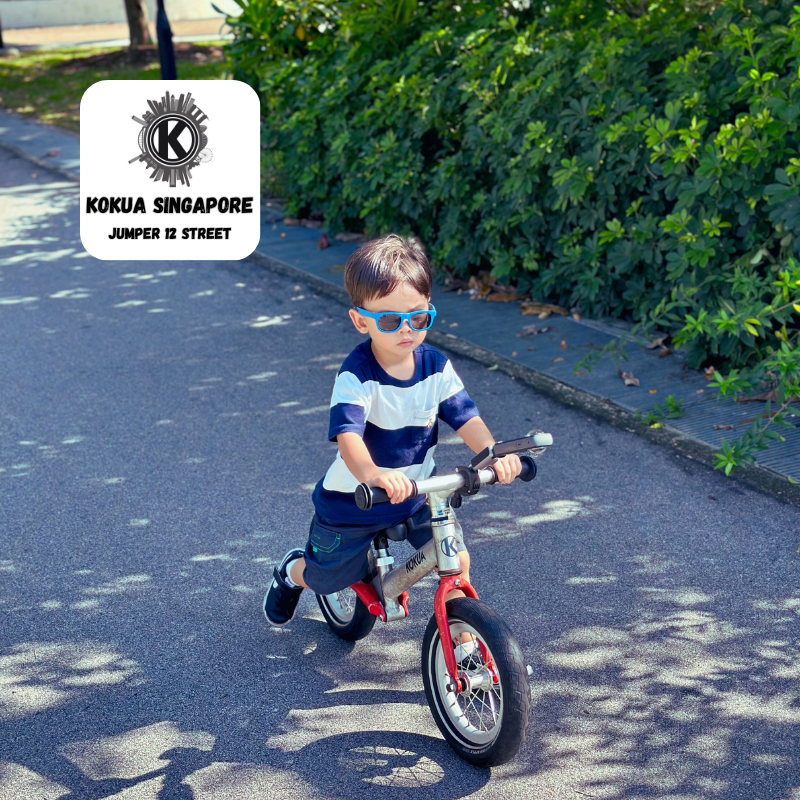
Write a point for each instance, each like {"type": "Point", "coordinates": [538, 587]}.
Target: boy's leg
{"type": "Point", "coordinates": [280, 601]}
{"type": "Point", "coordinates": [295, 572]}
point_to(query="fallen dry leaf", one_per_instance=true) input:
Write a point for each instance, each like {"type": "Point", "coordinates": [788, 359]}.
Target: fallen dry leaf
{"type": "Point", "coordinates": [563, 345]}
{"type": "Point", "coordinates": [656, 343]}
{"type": "Point", "coordinates": [723, 427]}
{"type": "Point", "coordinates": [529, 308]}
{"type": "Point", "coordinates": [533, 330]}
{"type": "Point", "coordinates": [514, 353]}
{"type": "Point", "coordinates": [323, 242]}
{"type": "Point", "coordinates": [453, 324]}
{"type": "Point", "coordinates": [554, 360]}
{"type": "Point", "coordinates": [700, 391]}
{"type": "Point", "coordinates": [531, 348]}
{"type": "Point", "coordinates": [581, 372]}
{"type": "Point", "coordinates": [576, 315]}
{"type": "Point", "coordinates": [282, 235]}
{"type": "Point", "coordinates": [502, 297]}
{"type": "Point", "coordinates": [291, 221]}
{"type": "Point", "coordinates": [653, 391]}
{"type": "Point", "coordinates": [709, 373]}
{"type": "Point", "coordinates": [311, 223]}
{"type": "Point", "coordinates": [665, 351]}
{"type": "Point", "coordinates": [628, 378]}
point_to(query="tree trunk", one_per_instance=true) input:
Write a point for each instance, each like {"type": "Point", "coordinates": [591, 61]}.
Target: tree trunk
{"type": "Point", "coordinates": [137, 22]}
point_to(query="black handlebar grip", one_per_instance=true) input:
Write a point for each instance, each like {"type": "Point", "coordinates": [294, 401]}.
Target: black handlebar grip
{"type": "Point", "coordinates": [366, 496]}
{"type": "Point", "coordinates": [528, 469]}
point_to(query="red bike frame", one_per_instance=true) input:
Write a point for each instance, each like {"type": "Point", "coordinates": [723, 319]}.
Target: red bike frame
{"type": "Point", "coordinates": [369, 597]}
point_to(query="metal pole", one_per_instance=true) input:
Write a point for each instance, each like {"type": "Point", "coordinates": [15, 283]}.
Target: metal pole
{"type": "Point", "coordinates": [166, 51]}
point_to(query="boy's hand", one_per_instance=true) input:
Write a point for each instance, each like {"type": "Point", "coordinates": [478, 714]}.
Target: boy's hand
{"type": "Point", "coordinates": [507, 468]}
{"type": "Point", "coordinates": [396, 485]}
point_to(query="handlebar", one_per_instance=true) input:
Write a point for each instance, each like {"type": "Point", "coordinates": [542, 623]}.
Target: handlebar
{"type": "Point", "coordinates": [367, 496]}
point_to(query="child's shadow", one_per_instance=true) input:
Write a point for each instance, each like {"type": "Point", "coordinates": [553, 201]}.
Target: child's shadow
{"type": "Point", "coordinates": [181, 762]}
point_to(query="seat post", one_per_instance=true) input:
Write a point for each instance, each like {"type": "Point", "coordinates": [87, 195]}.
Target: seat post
{"type": "Point", "coordinates": [383, 561]}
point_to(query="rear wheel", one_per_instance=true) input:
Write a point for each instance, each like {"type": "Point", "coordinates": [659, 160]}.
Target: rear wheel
{"type": "Point", "coordinates": [486, 722]}
{"type": "Point", "coordinates": [346, 615]}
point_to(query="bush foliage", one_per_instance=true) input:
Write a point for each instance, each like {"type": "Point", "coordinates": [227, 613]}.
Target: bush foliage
{"type": "Point", "coordinates": [638, 161]}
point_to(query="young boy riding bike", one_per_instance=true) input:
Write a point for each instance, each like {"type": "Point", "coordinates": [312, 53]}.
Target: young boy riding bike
{"type": "Point", "coordinates": [387, 399]}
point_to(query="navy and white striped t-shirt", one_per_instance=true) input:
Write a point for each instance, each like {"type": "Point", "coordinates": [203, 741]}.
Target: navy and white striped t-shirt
{"type": "Point", "coordinates": [399, 422]}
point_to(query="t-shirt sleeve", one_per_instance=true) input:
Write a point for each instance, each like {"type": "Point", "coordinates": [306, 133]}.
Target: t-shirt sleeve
{"type": "Point", "coordinates": [455, 405]}
{"type": "Point", "coordinates": [350, 405]}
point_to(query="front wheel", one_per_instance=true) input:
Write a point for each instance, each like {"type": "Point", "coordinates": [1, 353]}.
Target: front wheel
{"type": "Point", "coordinates": [485, 723]}
{"type": "Point", "coordinates": [346, 615]}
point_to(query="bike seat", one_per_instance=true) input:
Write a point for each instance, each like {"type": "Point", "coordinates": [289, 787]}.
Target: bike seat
{"type": "Point", "coordinates": [396, 533]}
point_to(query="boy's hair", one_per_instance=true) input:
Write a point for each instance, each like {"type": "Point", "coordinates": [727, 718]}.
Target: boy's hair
{"type": "Point", "coordinates": [377, 267]}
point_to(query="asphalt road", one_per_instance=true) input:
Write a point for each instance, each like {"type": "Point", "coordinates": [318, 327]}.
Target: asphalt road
{"type": "Point", "coordinates": [161, 426]}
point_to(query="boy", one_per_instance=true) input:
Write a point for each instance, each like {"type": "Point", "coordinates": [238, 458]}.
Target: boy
{"type": "Point", "coordinates": [386, 400]}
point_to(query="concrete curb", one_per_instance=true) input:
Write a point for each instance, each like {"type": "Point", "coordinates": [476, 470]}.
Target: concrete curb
{"type": "Point", "coordinates": [754, 476]}
{"type": "Point", "coordinates": [40, 162]}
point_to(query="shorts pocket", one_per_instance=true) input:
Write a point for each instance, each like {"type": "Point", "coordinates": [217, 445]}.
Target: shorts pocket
{"type": "Point", "coordinates": [324, 540]}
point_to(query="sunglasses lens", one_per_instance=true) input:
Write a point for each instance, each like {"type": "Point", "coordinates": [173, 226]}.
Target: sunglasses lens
{"type": "Point", "coordinates": [420, 322]}
{"type": "Point", "coordinates": [388, 323]}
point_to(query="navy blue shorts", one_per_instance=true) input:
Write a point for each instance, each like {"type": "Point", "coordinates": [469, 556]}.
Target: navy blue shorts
{"type": "Point", "coordinates": [336, 555]}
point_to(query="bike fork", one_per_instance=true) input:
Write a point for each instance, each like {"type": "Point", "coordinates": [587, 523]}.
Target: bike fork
{"type": "Point", "coordinates": [443, 523]}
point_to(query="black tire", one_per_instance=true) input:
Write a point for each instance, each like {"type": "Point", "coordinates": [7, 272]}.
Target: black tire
{"type": "Point", "coordinates": [458, 717]}
{"type": "Point", "coordinates": [346, 615]}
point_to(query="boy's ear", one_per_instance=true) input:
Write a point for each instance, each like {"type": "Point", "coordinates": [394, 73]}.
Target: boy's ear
{"type": "Point", "coordinates": [358, 321]}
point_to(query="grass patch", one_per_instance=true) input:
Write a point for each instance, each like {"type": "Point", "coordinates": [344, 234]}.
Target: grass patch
{"type": "Point", "coordinates": [49, 84]}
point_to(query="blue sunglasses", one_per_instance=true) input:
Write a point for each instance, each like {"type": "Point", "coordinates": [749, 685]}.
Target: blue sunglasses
{"type": "Point", "coordinates": [391, 321]}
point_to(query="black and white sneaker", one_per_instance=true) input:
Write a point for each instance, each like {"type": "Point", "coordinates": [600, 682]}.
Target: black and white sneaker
{"type": "Point", "coordinates": [280, 601]}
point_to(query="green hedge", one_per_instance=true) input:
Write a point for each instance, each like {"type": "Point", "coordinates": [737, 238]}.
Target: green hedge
{"type": "Point", "coordinates": [641, 167]}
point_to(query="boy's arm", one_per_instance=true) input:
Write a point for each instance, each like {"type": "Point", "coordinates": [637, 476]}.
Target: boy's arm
{"type": "Point", "coordinates": [477, 436]}
{"type": "Point", "coordinates": [358, 460]}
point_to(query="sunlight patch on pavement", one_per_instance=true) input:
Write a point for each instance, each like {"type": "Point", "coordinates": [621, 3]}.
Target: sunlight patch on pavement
{"type": "Point", "coordinates": [265, 322]}
{"type": "Point", "coordinates": [305, 726]}
{"type": "Point", "coordinates": [226, 780]}
{"type": "Point", "coordinates": [19, 782]}
{"type": "Point", "coordinates": [315, 410]}
{"type": "Point", "coordinates": [37, 676]}
{"type": "Point", "coordinates": [71, 294]}
{"type": "Point", "coordinates": [133, 753]}
{"type": "Point", "coordinates": [210, 557]}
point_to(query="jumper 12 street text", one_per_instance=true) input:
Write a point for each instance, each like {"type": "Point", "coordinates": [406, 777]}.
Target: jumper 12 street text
{"type": "Point", "coordinates": [170, 233]}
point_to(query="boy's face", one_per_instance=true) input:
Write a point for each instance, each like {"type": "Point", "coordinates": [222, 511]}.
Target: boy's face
{"type": "Point", "coordinates": [402, 299]}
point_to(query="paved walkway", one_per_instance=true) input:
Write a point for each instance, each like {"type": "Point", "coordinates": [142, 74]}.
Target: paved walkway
{"type": "Point", "coordinates": [491, 333]}
{"type": "Point", "coordinates": [111, 34]}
